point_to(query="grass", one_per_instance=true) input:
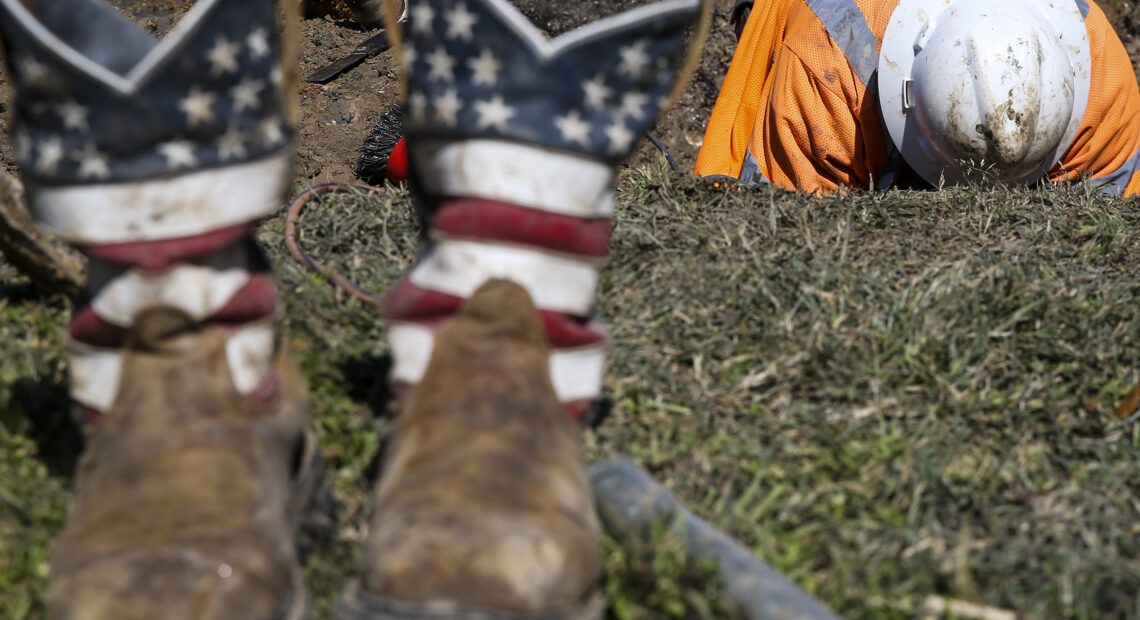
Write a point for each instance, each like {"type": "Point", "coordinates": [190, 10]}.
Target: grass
{"type": "Point", "coordinates": [886, 396]}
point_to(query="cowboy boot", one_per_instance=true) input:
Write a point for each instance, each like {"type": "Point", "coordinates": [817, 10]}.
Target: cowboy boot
{"type": "Point", "coordinates": [155, 159]}
{"type": "Point", "coordinates": [514, 141]}
{"type": "Point", "coordinates": [483, 508]}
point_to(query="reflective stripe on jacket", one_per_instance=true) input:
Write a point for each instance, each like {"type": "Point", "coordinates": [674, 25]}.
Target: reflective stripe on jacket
{"type": "Point", "coordinates": [798, 108]}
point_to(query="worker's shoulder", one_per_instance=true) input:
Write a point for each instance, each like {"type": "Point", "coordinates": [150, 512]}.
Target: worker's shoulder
{"type": "Point", "coordinates": [824, 35]}
{"type": "Point", "coordinates": [816, 23]}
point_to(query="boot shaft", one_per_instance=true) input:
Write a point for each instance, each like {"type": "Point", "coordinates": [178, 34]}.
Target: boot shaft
{"type": "Point", "coordinates": [154, 158]}
{"type": "Point", "coordinates": [514, 142]}
{"type": "Point", "coordinates": [124, 138]}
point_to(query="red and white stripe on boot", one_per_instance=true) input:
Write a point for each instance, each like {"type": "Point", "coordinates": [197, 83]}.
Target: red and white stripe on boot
{"type": "Point", "coordinates": [212, 278]}
{"type": "Point", "coordinates": [513, 141]}
{"type": "Point", "coordinates": [180, 242]}
{"type": "Point", "coordinates": [534, 215]}
{"type": "Point", "coordinates": [154, 158]}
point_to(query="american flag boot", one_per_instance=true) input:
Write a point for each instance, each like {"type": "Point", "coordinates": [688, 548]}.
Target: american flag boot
{"type": "Point", "coordinates": [513, 143]}
{"type": "Point", "coordinates": [483, 508]}
{"type": "Point", "coordinates": [155, 158]}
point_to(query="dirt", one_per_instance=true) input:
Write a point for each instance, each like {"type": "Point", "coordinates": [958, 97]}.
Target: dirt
{"type": "Point", "coordinates": [336, 117]}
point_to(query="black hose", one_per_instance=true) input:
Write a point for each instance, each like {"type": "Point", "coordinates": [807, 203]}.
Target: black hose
{"type": "Point", "coordinates": [630, 502]}
{"type": "Point", "coordinates": [664, 151]}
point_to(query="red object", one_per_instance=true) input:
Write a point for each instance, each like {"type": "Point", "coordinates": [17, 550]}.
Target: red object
{"type": "Point", "coordinates": [397, 168]}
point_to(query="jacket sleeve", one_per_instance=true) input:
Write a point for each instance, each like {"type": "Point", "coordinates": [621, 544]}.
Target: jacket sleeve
{"type": "Point", "coordinates": [810, 136]}
{"type": "Point", "coordinates": [1106, 148]}
{"type": "Point", "coordinates": [741, 95]}
{"type": "Point", "coordinates": [792, 111]}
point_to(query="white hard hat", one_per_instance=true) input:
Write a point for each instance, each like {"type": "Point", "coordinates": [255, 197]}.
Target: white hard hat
{"type": "Point", "coordinates": [984, 90]}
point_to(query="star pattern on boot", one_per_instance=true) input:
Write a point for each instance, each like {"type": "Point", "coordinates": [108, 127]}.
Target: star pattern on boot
{"type": "Point", "coordinates": [178, 154]}
{"type": "Point", "coordinates": [596, 92]}
{"type": "Point", "coordinates": [73, 115]}
{"type": "Point", "coordinates": [223, 57]}
{"type": "Point", "coordinates": [420, 18]}
{"type": "Point", "coordinates": [232, 144]}
{"type": "Point", "coordinates": [447, 107]}
{"type": "Point", "coordinates": [208, 86]}
{"type": "Point", "coordinates": [34, 72]}
{"type": "Point", "coordinates": [51, 154]}
{"type": "Point", "coordinates": [198, 106]}
{"type": "Point", "coordinates": [485, 68]}
{"type": "Point", "coordinates": [494, 113]}
{"type": "Point", "coordinates": [601, 85]}
{"type": "Point", "coordinates": [246, 94]}
{"type": "Point", "coordinates": [460, 22]}
{"type": "Point", "coordinates": [258, 43]}
{"type": "Point", "coordinates": [573, 128]}
{"type": "Point", "coordinates": [92, 163]}
{"type": "Point", "coordinates": [441, 65]}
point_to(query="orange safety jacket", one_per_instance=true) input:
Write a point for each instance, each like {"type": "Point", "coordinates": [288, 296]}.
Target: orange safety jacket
{"type": "Point", "coordinates": [796, 109]}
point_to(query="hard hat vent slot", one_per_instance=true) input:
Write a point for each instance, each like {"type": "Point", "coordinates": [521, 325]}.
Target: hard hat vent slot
{"type": "Point", "coordinates": [907, 97]}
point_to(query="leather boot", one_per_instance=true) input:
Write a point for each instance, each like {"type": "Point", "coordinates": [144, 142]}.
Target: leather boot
{"type": "Point", "coordinates": [156, 159]}
{"type": "Point", "coordinates": [484, 509]}
{"type": "Point", "coordinates": [513, 144]}
{"type": "Point", "coordinates": [189, 494]}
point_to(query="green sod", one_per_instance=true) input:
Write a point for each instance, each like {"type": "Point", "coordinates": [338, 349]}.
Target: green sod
{"type": "Point", "coordinates": [886, 396]}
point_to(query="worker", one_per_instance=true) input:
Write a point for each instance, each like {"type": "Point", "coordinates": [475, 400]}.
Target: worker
{"type": "Point", "coordinates": [823, 95]}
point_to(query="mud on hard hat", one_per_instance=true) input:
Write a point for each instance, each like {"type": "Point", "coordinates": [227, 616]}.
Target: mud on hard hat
{"type": "Point", "coordinates": [978, 90]}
